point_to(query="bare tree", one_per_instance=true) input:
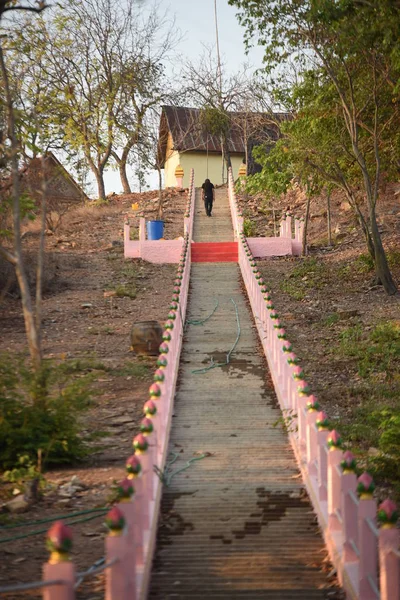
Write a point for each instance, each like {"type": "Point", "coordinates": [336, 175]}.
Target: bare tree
{"type": "Point", "coordinates": [143, 82]}
{"type": "Point", "coordinates": [208, 86]}
{"type": "Point", "coordinates": [10, 151]}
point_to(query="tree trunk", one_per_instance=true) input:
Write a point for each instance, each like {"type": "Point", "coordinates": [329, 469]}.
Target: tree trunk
{"type": "Point", "coordinates": [124, 178]}
{"type": "Point", "coordinates": [227, 156]}
{"type": "Point", "coordinates": [383, 274]}
{"type": "Point", "coordinates": [362, 222]}
{"type": "Point", "coordinates": [41, 251]}
{"type": "Point", "coordinates": [26, 300]}
{"type": "Point", "coordinates": [306, 218]}
{"type": "Point", "coordinates": [328, 214]}
{"type": "Point", "coordinates": [160, 198]}
{"type": "Point", "coordinates": [100, 184]}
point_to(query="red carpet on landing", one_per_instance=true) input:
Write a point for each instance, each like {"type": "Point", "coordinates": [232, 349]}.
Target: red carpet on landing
{"type": "Point", "coordinates": [214, 252]}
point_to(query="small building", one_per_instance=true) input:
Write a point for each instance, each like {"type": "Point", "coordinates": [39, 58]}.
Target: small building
{"type": "Point", "coordinates": [61, 188]}
{"type": "Point", "coordinates": [183, 141]}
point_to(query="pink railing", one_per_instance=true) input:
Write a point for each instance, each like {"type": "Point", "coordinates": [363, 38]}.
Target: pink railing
{"type": "Point", "coordinates": [132, 522]}
{"type": "Point", "coordinates": [159, 251]}
{"type": "Point", "coordinates": [289, 240]}
{"type": "Point", "coordinates": [346, 509]}
{"type": "Point", "coordinates": [189, 214]}
{"type": "Point", "coordinates": [236, 213]}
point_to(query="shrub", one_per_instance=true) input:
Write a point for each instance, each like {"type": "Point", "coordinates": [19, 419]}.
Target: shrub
{"type": "Point", "coordinates": [309, 273]}
{"type": "Point", "coordinates": [249, 228]}
{"type": "Point", "coordinates": [39, 414]}
{"type": "Point", "coordinates": [364, 263]}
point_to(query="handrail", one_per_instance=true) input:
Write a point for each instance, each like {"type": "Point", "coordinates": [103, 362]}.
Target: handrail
{"type": "Point", "coordinates": [34, 585]}
{"type": "Point", "coordinates": [355, 548]}
{"type": "Point", "coordinates": [373, 585]}
{"type": "Point", "coordinates": [374, 529]}
{"type": "Point", "coordinates": [236, 213]}
{"type": "Point", "coordinates": [346, 519]}
{"type": "Point", "coordinates": [91, 571]}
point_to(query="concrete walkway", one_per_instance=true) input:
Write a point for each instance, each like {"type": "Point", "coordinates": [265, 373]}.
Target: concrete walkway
{"type": "Point", "coordinates": [217, 228]}
{"type": "Point", "coordinates": [236, 524]}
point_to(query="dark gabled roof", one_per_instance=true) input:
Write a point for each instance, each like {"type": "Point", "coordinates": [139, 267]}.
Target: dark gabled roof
{"type": "Point", "coordinates": [188, 135]}
{"type": "Point", "coordinates": [31, 176]}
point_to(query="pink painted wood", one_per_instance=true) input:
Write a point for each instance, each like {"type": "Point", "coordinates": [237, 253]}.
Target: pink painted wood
{"type": "Point", "coordinates": [389, 540]}
{"type": "Point", "coordinates": [237, 219]}
{"type": "Point", "coordinates": [159, 251]}
{"type": "Point", "coordinates": [117, 584]}
{"type": "Point", "coordinates": [311, 443]}
{"type": "Point", "coordinates": [129, 511]}
{"type": "Point", "coordinates": [349, 508]}
{"type": "Point", "coordinates": [368, 549]}
{"type": "Point", "coordinates": [285, 244]}
{"type": "Point", "coordinates": [348, 524]}
{"type": "Point", "coordinates": [64, 571]}
{"type": "Point", "coordinates": [335, 457]}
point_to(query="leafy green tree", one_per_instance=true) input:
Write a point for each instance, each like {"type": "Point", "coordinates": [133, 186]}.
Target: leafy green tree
{"type": "Point", "coordinates": [349, 46]}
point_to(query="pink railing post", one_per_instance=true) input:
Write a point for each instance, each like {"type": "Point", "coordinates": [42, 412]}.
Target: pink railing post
{"type": "Point", "coordinates": [322, 437]}
{"type": "Point", "coordinates": [282, 226]}
{"type": "Point", "coordinates": [301, 420]}
{"type": "Point", "coordinates": [142, 229]}
{"type": "Point", "coordinates": [311, 435]}
{"type": "Point", "coordinates": [288, 226]}
{"type": "Point", "coordinates": [349, 509]}
{"type": "Point", "coordinates": [59, 567]}
{"type": "Point", "coordinates": [335, 456]}
{"type": "Point", "coordinates": [367, 539]}
{"type": "Point", "coordinates": [142, 507]}
{"type": "Point", "coordinates": [389, 563]}
{"type": "Point", "coordinates": [127, 230]}
{"type": "Point", "coordinates": [141, 448]}
{"type": "Point", "coordinates": [128, 509]}
{"type": "Point", "coordinates": [116, 553]}
{"type": "Point", "coordinates": [303, 395]}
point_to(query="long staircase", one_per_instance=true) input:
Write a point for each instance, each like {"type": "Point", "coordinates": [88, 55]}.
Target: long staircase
{"type": "Point", "coordinates": [237, 523]}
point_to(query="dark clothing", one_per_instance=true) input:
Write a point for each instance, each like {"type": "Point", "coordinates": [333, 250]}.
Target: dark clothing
{"type": "Point", "coordinates": [208, 202]}
{"type": "Point", "coordinates": [208, 188]}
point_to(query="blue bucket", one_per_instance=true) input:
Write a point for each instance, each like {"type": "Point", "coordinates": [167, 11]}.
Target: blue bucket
{"type": "Point", "coordinates": [155, 230]}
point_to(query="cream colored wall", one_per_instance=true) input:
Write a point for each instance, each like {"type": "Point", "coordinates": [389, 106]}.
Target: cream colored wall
{"type": "Point", "coordinates": [170, 165]}
{"type": "Point", "coordinates": [198, 160]}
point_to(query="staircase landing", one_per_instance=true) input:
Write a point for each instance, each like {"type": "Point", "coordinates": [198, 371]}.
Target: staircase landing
{"type": "Point", "coordinates": [214, 252]}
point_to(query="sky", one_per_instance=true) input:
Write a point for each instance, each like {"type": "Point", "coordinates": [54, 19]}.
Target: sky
{"type": "Point", "coordinates": [195, 20]}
